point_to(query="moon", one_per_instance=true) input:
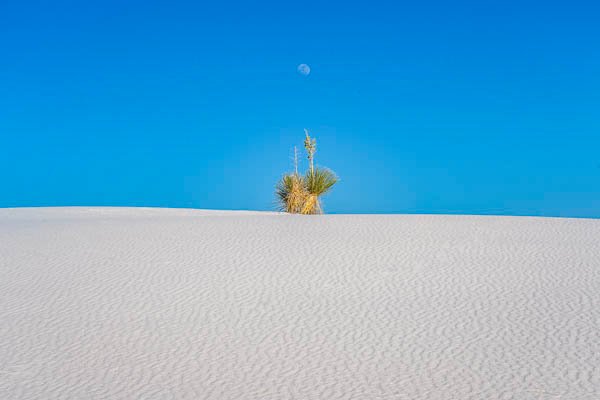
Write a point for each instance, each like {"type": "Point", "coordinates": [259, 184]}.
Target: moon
{"type": "Point", "coordinates": [303, 69]}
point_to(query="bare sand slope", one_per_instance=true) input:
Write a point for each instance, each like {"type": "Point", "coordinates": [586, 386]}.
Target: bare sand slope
{"type": "Point", "coordinates": [101, 303]}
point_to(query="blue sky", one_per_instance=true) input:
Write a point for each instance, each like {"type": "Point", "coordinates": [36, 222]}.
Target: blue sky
{"type": "Point", "coordinates": [420, 107]}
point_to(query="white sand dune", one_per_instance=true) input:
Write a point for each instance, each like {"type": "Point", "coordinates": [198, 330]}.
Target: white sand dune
{"type": "Point", "coordinates": [118, 303]}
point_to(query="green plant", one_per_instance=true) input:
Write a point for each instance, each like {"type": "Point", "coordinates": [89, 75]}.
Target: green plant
{"type": "Point", "coordinates": [317, 182]}
{"type": "Point", "coordinates": [299, 194]}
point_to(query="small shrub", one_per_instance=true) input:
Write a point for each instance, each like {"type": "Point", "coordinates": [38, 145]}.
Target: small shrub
{"type": "Point", "coordinates": [299, 194]}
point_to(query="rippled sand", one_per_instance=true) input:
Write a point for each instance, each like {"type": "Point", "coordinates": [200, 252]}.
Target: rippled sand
{"type": "Point", "coordinates": [124, 303]}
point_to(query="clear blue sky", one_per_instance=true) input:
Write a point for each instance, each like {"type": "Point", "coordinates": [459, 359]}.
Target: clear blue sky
{"type": "Point", "coordinates": [420, 107]}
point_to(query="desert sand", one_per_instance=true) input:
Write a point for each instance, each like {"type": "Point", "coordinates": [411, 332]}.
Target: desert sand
{"type": "Point", "coordinates": [133, 303]}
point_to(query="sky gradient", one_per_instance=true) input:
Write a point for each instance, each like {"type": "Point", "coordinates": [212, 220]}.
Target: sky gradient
{"type": "Point", "coordinates": [436, 107]}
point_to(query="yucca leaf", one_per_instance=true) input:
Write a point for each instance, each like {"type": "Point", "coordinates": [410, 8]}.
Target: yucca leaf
{"type": "Point", "coordinates": [291, 193]}
{"type": "Point", "coordinates": [319, 181]}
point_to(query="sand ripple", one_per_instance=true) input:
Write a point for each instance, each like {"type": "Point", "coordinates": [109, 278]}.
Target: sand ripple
{"type": "Point", "coordinates": [109, 303]}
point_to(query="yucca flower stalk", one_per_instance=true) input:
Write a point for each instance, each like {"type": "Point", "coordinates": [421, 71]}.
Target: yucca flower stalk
{"type": "Point", "coordinates": [311, 147]}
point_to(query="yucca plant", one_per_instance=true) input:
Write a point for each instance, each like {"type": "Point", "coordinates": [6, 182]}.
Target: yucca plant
{"type": "Point", "coordinates": [317, 182]}
{"type": "Point", "coordinates": [299, 194]}
{"type": "Point", "coordinates": [291, 193]}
